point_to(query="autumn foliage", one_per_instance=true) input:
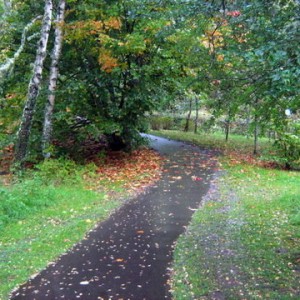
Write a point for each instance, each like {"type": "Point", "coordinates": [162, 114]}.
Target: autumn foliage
{"type": "Point", "coordinates": [107, 61]}
{"type": "Point", "coordinates": [134, 171]}
{"type": "Point", "coordinates": [234, 13]}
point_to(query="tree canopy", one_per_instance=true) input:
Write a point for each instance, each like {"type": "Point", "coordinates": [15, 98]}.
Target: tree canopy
{"type": "Point", "coordinates": [122, 60]}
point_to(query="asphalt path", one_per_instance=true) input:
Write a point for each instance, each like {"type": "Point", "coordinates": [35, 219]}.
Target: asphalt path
{"type": "Point", "coordinates": [129, 255]}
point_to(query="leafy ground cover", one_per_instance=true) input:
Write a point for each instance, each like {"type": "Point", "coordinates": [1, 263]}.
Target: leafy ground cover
{"type": "Point", "coordinates": [244, 242]}
{"type": "Point", "coordinates": [51, 208]}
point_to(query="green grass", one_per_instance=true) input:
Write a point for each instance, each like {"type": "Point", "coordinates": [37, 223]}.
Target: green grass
{"type": "Point", "coordinates": [43, 215]}
{"type": "Point", "coordinates": [244, 243]}
{"type": "Point", "coordinates": [216, 140]}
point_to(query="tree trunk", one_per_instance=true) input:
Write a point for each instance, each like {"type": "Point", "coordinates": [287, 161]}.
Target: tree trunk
{"type": "Point", "coordinates": [47, 128]}
{"type": "Point", "coordinates": [7, 6]}
{"type": "Point", "coordinates": [255, 127]}
{"type": "Point", "coordinates": [227, 129]}
{"type": "Point", "coordinates": [34, 87]}
{"type": "Point", "coordinates": [255, 135]}
{"type": "Point", "coordinates": [6, 68]}
{"type": "Point", "coordinates": [197, 114]}
{"type": "Point", "coordinates": [187, 124]}
{"type": "Point", "coordinates": [228, 124]}
{"type": "Point", "coordinates": [248, 121]}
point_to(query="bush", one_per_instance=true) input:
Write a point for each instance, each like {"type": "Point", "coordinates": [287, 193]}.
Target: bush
{"type": "Point", "coordinates": [161, 122]}
{"type": "Point", "coordinates": [288, 145]}
{"type": "Point", "coordinates": [58, 171]}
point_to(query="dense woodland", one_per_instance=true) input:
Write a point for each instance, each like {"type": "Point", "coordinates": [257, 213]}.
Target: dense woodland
{"type": "Point", "coordinates": [74, 70]}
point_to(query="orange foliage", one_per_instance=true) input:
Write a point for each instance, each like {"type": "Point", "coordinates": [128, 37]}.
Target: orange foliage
{"type": "Point", "coordinates": [113, 23]}
{"type": "Point", "coordinates": [82, 28]}
{"type": "Point", "coordinates": [135, 170]}
{"type": "Point", "coordinates": [107, 61]}
{"type": "Point", "coordinates": [234, 13]}
{"type": "Point", "coordinates": [213, 39]}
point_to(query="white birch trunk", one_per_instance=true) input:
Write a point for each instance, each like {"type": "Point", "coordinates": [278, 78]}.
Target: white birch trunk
{"type": "Point", "coordinates": [6, 68]}
{"type": "Point", "coordinates": [47, 128]}
{"type": "Point", "coordinates": [34, 87]}
{"type": "Point", "coordinates": [7, 6]}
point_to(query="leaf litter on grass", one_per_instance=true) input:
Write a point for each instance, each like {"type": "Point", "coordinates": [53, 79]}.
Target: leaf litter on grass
{"type": "Point", "coordinates": [133, 171]}
{"type": "Point", "coordinates": [224, 255]}
{"type": "Point", "coordinates": [119, 175]}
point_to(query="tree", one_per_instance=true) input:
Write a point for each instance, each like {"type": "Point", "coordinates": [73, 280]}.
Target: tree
{"type": "Point", "coordinates": [6, 68]}
{"type": "Point", "coordinates": [47, 128]}
{"type": "Point", "coordinates": [34, 86]}
{"type": "Point", "coordinates": [7, 6]}
{"type": "Point", "coordinates": [124, 59]}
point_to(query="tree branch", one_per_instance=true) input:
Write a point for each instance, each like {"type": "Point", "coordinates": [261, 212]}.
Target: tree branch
{"type": "Point", "coordinates": [6, 68]}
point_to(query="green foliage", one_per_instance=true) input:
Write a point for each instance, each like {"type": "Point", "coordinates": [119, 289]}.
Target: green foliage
{"type": "Point", "coordinates": [161, 122]}
{"type": "Point", "coordinates": [59, 171]}
{"type": "Point", "coordinates": [122, 60]}
{"type": "Point", "coordinates": [288, 145]}
{"type": "Point", "coordinates": [39, 188]}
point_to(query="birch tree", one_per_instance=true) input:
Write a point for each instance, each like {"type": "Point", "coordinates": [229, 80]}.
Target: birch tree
{"type": "Point", "coordinates": [47, 128]}
{"type": "Point", "coordinates": [7, 67]}
{"type": "Point", "coordinates": [34, 86]}
{"type": "Point", "coordinates": [7, 5]}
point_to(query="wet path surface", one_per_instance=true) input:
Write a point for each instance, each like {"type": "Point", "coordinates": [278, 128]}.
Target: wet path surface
{"type": "Point", "coordinates": [128, 256]}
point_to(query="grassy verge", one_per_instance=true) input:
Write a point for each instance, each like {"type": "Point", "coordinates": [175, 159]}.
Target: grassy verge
{"type": "Point", "coordinates": [28, 245]}
{"type": "Point", "coordinates": [244, 243]}
{"type": "Point", "coordinates": [43, 216]}
{"type": "Point", "coordinates": [216, 140]}
{"type": "Point", "coordinates": [47, 211]}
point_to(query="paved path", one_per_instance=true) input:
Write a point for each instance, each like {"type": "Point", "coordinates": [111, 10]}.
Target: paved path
{"type": "Point", "coordinates": [128, 256]}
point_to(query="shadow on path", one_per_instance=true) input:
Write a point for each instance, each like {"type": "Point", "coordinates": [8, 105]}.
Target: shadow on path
{"type": "Point", "coordinates": [127, 256]}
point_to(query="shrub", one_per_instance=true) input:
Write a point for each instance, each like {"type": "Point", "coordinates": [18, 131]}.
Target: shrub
{"type": "Point", "coordinates": [58, 171]}
{"type": "Point", "coordinates": [161, 122]}
{"type": "Point", "coordinates": [288, 145]}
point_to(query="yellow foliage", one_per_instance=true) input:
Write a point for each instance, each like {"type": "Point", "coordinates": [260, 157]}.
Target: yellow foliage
{"type": "Point", "coordinates": [107, 61]}
{"type": "Point", "coordinates": [113, 23]}
{"type": "Point", "coordinates": [220, 57]}
{"type": "Point", "coordinates": [80, 29]}
{"type": "Point", "coordinates": [212, 39]}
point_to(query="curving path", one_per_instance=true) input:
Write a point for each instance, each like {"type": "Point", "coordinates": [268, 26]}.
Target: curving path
{"type": "Point", "coordinates": [129, 255]}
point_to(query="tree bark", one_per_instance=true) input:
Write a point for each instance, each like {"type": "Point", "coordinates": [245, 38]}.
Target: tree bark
{"type": "Point", "coordinates": [56, 53]}
{"type": "Point", "coordinates": [227, 129]}
{"type": "Point", "coordinates": [187, 124]}
{"type": "Point", "coordinates": [34, 87]}
{"type": "Point", "coordinates": [6, 68]}
{"type": "Point", "coordinates": [255, 148]}
{"type": "Point", "coordinates": [7, 6]}
{"type": "Point", "coordinates": [227, 125]}
{"type": "Point", "coordinates": [197, 114]}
